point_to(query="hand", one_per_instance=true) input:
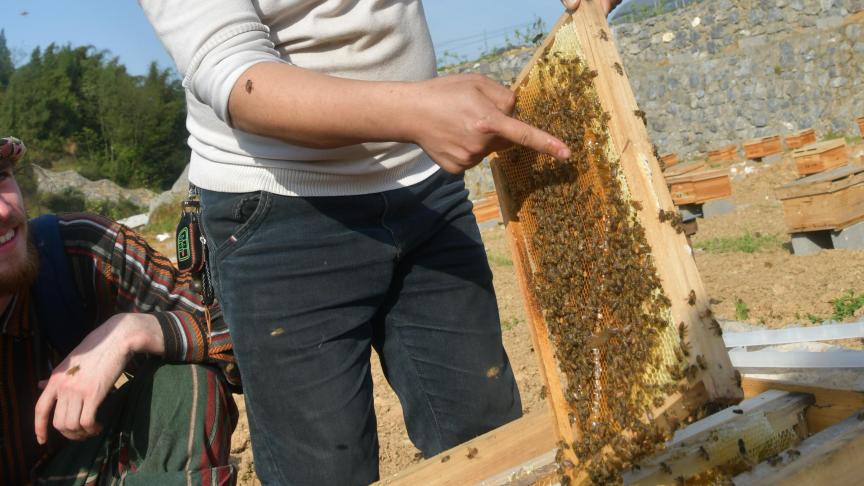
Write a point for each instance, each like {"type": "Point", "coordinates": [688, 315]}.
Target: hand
{"type": "Point", "coordinates": [82, 381]}
{"type": "Point", "coordinates": [464, 117]}
{"type": "Point", "coordinates": [608, 5]}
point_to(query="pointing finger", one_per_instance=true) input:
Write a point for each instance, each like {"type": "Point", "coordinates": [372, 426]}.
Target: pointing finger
{"type": "Point", "coordinates": [526, 135]}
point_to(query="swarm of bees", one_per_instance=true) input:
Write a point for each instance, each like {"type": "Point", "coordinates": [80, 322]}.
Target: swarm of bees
{"type": "Point", "coordinates": [593, 274]}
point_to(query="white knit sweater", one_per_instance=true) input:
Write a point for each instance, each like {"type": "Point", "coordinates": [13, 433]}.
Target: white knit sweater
{"type": "Point", "coordinates": [214, 41]}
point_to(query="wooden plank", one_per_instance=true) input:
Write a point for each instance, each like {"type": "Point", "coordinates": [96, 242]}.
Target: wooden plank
{"type": "Point", "coordinates": [821, 156]}
{"type": "Point", "coordinates": [762, 147]}
{"type": "Point", "coordinates": [670, 159]}
{"type": "Point", "coordinates": [831, 406]}
{"type": "Point", "coordinates": [487, 208]}
{"type": "Point", "coordinates": [833, 456]}
{"type": "Point", "coordinates": [724, 154]}
{"type": "Point", "coordinates": [520, 444]}
{"type": "Point", "coordinates": [800, 139]}
{"type": "Point", "coordinates": [684, 168]}
{"type": "Point", "coordinates": [861, 125]}
{"type": "Point", "coordinates": [733, 440]}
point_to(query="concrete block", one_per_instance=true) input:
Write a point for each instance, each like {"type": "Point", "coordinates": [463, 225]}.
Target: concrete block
{"type": "Point", "coordinates": [712, 209]}
{"type": "Point", "coordinates": [811, 242]}
{"type": "Point", "coordinates": [851, 238]}
{"type": "Point", "coordinates": [690, 211]}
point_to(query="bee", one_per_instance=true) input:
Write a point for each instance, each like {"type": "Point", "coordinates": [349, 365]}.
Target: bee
{"type": "Point", "coordinates": [71, 371]}
{"type": "Point", "coordinates": [543, 392]}
{"type": "Point", "coordinates": [715, 326]}
{"type": "Point", "coordinates": [793, 454]}
{"type": "Point", "coordinates": [704, 454]}
{"type": "Point", "coordinates": [472, 453]}
{"type": "Point", "coordinates": [618, 69]}
{"type": "Point", "coordinates": [277, 332]}
{"type": "Point", "coordinates": [665, 468]}
{"type": "Point", "coordinates": [682, 331]}
{"type": "Point", "coordinates": [249, 86]}
{"type": "Point", "coordinates": [742, 448]}
{"type": "Point", "coordinates": [774, 460]}
{"type": "Point", "coordinates": [737, 411]}
{"type": "Point", "coordinates": [700, 360]}
{"type": "Point", "coordinates": [604, 35]}
{"type": "Point", "coordinates": [445, 459]}
{"type": "Point", "coordinates": [641, 115]}
{"type": "Point", "coordinates": [691, 298]}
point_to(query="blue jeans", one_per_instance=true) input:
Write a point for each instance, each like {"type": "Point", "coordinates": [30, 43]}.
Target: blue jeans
{"type": "Point", "coordinates": [310, 285]}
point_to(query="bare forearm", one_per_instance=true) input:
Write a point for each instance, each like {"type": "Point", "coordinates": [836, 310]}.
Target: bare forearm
{"type": "Point", "coordinates": [311, 109]}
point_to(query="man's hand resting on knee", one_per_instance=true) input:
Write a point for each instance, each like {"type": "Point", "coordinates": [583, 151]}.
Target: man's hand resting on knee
{"type": "Point", "coordinates": [81, 382]}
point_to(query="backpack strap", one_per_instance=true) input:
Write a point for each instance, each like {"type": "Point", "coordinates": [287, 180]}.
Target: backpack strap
{"type": "Point", "coordinates": [59, 308]}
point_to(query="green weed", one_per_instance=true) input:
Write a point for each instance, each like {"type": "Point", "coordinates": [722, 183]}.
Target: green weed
{"type": "Point", "coordinates": [742, 312]}
{"type": "Point", "coordinates": [746, 243]}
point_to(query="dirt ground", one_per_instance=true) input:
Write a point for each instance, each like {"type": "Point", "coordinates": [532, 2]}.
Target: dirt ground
{"type": "Point", "coordinates": [777, 288]}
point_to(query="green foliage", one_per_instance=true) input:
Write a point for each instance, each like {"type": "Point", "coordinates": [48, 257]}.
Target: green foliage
{"type": "Point", "coordinates": [122, 208]}
{"type": "Point", "coordinates": [510, 323]}
{"type": "Point", "coordinates": [746, 243]}
{"type": "Point", "coordinates": [778, 70]}
{"type": "Point", "coordinates": [742, 312]}
{"type": "Point", "coordinates": [78, 103]}
{"type": "Point", "coordinates": [73, 200]}
{"type": "Point", "coordinates": [7, 67]}
{"type": "Point", "coordinates": [832, 135]}
{"type": "Point", "coordinates": [164, 218]}
{"type": "Point", "coordinates": [847, 305]}
{"type": "Point", "coordinates": [70, 199]}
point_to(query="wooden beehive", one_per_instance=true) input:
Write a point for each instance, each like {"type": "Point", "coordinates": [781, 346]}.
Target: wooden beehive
{"type": "Point", "coordinates": [617, 309]}
{"type": "Point", "coordinates": [860, 121]}
{"type": "Point", "coordinates": [826, 201]}
{"type": "Point", "coordinates": [800, 139]}
{"type": "Point", "coordinates": [669, 159]}
{"type": "Point", "coordinates": [685, 168]}
{"type": "Point", "coordinates": [819, 157]}
{"type": "Point", "coordinates": [487, 208]}
{"type": "Point", "coordinates": [762, 147]}
{"type": "Point", "coordinates": [700, 187]}
{"type": "Point", "coordinates": [725, 154]}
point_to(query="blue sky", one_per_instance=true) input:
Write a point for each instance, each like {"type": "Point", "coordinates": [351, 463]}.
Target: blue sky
{"type": "Point", "coordinates": [120, 27]}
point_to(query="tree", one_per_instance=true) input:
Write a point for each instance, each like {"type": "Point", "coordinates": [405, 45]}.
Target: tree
{"type": "Point", "coordinates": [6, 65]}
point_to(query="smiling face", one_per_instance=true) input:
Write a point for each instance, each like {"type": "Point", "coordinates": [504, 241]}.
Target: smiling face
{"type": "Point", "coordinates": [18, 257]}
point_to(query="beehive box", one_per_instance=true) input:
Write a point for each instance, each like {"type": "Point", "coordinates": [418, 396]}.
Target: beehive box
{"type": "Point", "coordinates": [487, 208]}
{"type": "Point", "coordinates": [724, 154]}
{"type": "Point", "coordinates": [860, 121]}
{"type": "Point", "coordinates": [826, 201]}
{"type": "Point", "coordinates": [700, 187]}
{"type": "Point", "coordinates": [669, 160]}
{"type": "Point", "coordinates": [800, 139]}
{"type": "Point", "coordinates": [762, 147]}
{"type": "Point", "coordinates": [621, 322]}
{"type": "Point", "coordinates": [821, 156]}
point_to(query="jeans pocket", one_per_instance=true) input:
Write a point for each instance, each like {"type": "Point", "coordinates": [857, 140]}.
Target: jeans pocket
{"type": "Point", "coordinates": [233, 219]}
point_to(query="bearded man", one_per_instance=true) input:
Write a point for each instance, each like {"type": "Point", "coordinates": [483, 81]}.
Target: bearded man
{"type": "Point", "coordinates": [82, 300]}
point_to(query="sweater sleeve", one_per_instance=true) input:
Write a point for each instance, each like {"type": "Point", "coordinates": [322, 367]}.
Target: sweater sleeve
{"type": "Point", "coordinates": [212, 43]}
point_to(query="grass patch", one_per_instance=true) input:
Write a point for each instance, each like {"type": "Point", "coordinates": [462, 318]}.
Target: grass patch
{"type": "Point", "coordinates": [507, 324]}
{"type": "Point", "coordinates": [745, 243]}
{"type": "Point", "coordinates": [742, 312]}
{"type": "Point", "coordinates": [165, 217]}
{"type": "Point", "coordinates": [847, 305]}
{"type": "Point", "coordinates": [499, 260]}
